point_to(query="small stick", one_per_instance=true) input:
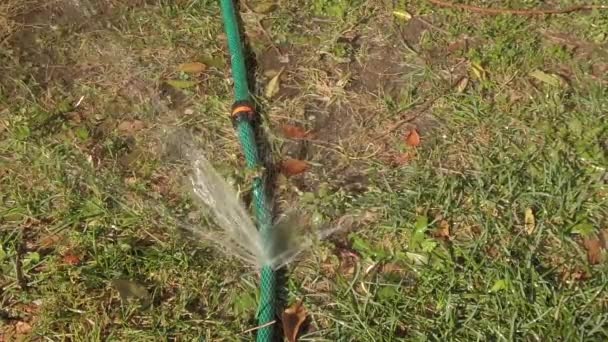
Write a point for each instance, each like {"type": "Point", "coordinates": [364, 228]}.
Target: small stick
{"type": "Point", "coordinates": [429, 24]}
{"type": "Point", "coordinates": [259, 327]}
{"type": "Point", "coordinates": [529, 12]}
{"type": "Point", "coordinates": [422, 108]}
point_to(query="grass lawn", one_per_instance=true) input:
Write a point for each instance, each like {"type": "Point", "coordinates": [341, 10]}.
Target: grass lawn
{"type": "Point", "coordinates": [466, 154]}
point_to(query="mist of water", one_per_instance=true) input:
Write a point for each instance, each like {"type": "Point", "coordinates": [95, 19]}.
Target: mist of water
{"type": "Point", "coordinates": [236, 234]}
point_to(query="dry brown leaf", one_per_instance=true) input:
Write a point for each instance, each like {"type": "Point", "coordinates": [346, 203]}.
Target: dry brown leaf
{"type": "Point", "coordinates": [461, 85]}
{"type": "Point", "coordinates": [443, 230]}
{"type": "Point", "coordinates": [402, 158]}
{"type": "Point", "coordinates": [71, 259]}
{"type": "Point", "coordinates": [49, 241]}
{"type": "Point", "coordinates": [573, 275]}
{"type": "Point", "coordinates": [393, 268]}
{"type": "Point", "coordinates": [348, 262]}
{"type": "Point", "coordinates": [130, 127]}
{"type": "Point", "coordinates": [594, 247]}
{"type": "Point", "coordinates": [294, 132]}
{"type": "Point", "coordinates": [74, 117]}
{"type": "Point", "coordinates": [412, 138]}
{"type": "Point", "coordinates": [293, 317]}
{"type": "Point", "coordinates": [273, 87]}
{"type": "Point", "coordinates": [292, 167]}
{"type": "Point", "coordinates": [23, 328]}
{"type": "Point", "coordinates": [192, 68]}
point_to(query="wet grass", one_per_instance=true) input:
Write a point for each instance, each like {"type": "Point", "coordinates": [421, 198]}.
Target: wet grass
{"type": "Point", "coordinates": [440, 249]}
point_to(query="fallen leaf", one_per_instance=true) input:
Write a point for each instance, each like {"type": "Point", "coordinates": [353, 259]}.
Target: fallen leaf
{"type": "Point", "coordinates": [216, 61]}
{"type": "Point", "coordinates": [130, 127]}
{"type": "Point", "coordinates": [478, 70]}
{"type": "Point", "coordinates": [499, 285]}
{"type": "Point", "coordinates": [348, 261]}
{"type": "Point", "coordinates": [270, 73]}
{"type": "Point", "coordinates": [49, 241]}
{"type": "Point", "coordinates": [413, 138]}
{"type": "Point", "coordinates": [293, 317]}
{"type": "Point", "coordinates": [244, 303]}
{"type": "Point", "coordinates": [294, 132]}
{"type": "Point", "coordinates": [443, 230]}
{"type": "Point", "coordinates": [418, 259]}
{"type": "Point", "coordinates": [31, 308]}
{"type": "Point", "coordinates": [179, 84]}
{"type": "Point", "coordinates": [583, 229]}
{"type": "Point", "coordinates": [265, 7]}
{"type": "Point", "coordinates": [82, 133]}
{"type": "Point", "coordinates": [393, 268]}
{"type": "Point", "coordinates": [547, 78]}
{"type": "Point", "coordinates": [273, 87]}
{"type": "Point", "coordinates": [576, 274]}
{"type": "Point", "coordinates": [71, 259]}
{"type": "Point", "coordinates": [460, 44]}
{"type": "Point", "coordinates": [192, 68]}
{"type": "Point", "coordinates": [130, 181]}
{"type": "Point", "coordinates": [402, 158]}
{"type": "Point", "coordinates": [405, 15]}
{"type": "Point", "coordinates": [461, 85]}
{"type": "Point", "coordinates": [23, 328]}
{"type": "Point", "coordinates": [292, 167]}
{"type": "Point", "coordinates": [529, 221]}
{"type": "Point", "coordinates": [594, 247]}
{"type": "Point", "coordinates": [74, 117]}
{"type": "Point", "coordinates": [131, 290]}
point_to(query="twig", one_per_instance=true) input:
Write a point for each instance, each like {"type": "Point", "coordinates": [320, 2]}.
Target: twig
{"type": "Point", "coordinates": [423, 107]}
{"type": "Point", "coordinates": [530, 12]}
{"type": "Point", "coordinates": [259, 327]}
{"type": "Point", "coordinates": [429, 24]}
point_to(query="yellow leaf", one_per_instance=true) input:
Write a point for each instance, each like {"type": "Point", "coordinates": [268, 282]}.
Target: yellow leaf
{"type": "Point", "coordinates": [265, 7]}
{"type": "Point", "coordinates": [547, 78]}
{"type": "Point", "coordinates": [179, 84]}
{"type": "Point", "coordinates": [274, 85]}
{"type": "Point", "coordinates": [405, 15]}
{"type": "Point", "coordinates": [293, 317]}
{"type": "Point", "coordinates": [529, 221]}
{"type": "Point", "coordinates": [478, 70]}
{"type": "Point", "coordinates": [192, 68]}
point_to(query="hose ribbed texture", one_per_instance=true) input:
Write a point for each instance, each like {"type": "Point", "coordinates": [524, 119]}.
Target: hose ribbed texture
{"type": "Point", "coordinates": [266, 306]}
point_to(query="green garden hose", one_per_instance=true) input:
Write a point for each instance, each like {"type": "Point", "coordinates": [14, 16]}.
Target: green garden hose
{"type": "Point", "coordinates": [242, 115]}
